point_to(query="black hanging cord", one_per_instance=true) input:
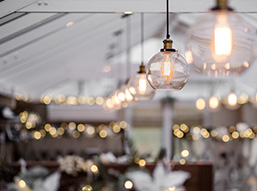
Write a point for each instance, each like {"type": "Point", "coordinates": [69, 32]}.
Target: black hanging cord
{"type": "Point", "coordinates": [128, 47]}
{"type": "Point", "coordinates": [142, 38]}
{"type": "Point", "coordinates": [167, 35]}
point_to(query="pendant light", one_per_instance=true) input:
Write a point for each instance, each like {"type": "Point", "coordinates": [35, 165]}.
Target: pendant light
{"type": "Point", "coordinates": [214, 102]}
{"type": "Point", "coordinates": [167, 69]}
{"type": "Point", "coordinates": [221, 42]}
{"type": "Point", "coordinates": [231, 102]}
{"type": "Point", "coordinates": [138, 85]}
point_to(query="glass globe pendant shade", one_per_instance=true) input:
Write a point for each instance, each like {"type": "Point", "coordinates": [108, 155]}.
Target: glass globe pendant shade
{"type": "Point", "coordinates": [167, 69]}
{"type": "Point", "coordinates": [221, 43]}
{"type": "Point", "coordinates": [139, 86]}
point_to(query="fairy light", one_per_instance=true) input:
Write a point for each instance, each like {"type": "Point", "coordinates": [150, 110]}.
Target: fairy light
{"type": "Point", "coordinates": [94, 169]}
{"type": "Point", "coordinates": [142, 163]}
{"type": "Point", "coordinates": [182, 161]}
{"type": "Point", "coordinates": [225, 138]}
{"type": "Point", "coordinates": [128, 185]}
{"type": "Point", "coordinates": [184, 153]}
{"type": "Point", "coordinates": [22, 184]}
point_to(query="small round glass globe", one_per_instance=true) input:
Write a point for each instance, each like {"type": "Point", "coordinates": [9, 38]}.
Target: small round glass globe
{"type": "Point", "coordinates": [140, 88]}
{"type": "Point", "coordinates": [167, 71]}
{"type": "Point", "coordinates": [217, 45]}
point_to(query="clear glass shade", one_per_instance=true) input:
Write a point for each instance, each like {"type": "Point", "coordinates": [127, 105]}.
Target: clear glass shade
{"type": "Point", "coordinates": [221, 43]}
{"type": "Point", "coordinates": [167, 70]}
{"type": "Point", "coordinates": [140, 88]}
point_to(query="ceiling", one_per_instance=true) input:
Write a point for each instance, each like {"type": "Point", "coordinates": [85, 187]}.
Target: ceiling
{"type": "Point", "coordinates": [63, 46]}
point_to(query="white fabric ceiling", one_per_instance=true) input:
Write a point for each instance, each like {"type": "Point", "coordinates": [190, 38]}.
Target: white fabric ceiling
{"type": "Point", "coordinates": [39, 54]}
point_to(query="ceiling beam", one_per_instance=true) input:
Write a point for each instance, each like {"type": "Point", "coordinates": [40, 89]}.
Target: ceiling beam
{"type": "Point", "coordinates": [114, 6]}
{"type": "Point", "coordinates": [11, 6]}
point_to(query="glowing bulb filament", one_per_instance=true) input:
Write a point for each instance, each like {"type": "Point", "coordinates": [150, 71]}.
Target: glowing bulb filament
{"type": "Point", "coordinates": [222, 37]}
{"type": "Point", "coordinates": [142, 85]}
{"type": "Point", "coordinates": [167, 67]}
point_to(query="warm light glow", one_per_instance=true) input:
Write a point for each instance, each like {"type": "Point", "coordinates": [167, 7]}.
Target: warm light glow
{"type": "Point", "coordinates": [167, 70]}
{"type": "Point", "coordinates": [91, 101]}
{"type": "Point", "coordinates": [142, 163]}
{"type": "Point", "coordinates": [142, 84]}
{"type": "Point", "coordinates": [214, 133]}
{"type": "Point", "coordinates": [52, 131]}
{"type": "Point", "coordinates": [123, 124]}
{"type": "Point", "coordinates": [196, 130]}
{"type": "Point", "coordinates": [69, 24]}
{"type": "Point", "coordinates": [128, 12]}
{"type": "Point", "coordinates": [225, 138]}
{"type": "Point", "coordinates": [72, 100]}
{"type": "Point", "coordinates": [116, 128]}
{"type": "Point", "coordinates": [243, 98]}
{"type": "Point", "coordinates": [60, 131]}
{"type": "Point", "coordinates": [189, 57]}
{"type": "Point", "coordinates": [37, 135]}
{"type": "Point", "coordinates": [87, 188]}
{"type": "Point", "coordinates": [43, 132]}
{"type": "Point", "coordinates": [22, 184]}
{"type": "Point", "coordinates": [47, 127]}
{"type": "Point", "coordinates": [246, 64]}
{"type": "Point", "coordinates": [173, 188]}
{"type": "Point", "coordinates": [180, 134]}
{"type": "Point", "coordinates": [176, 126]}
{"type": "Point", "coordinates": [128, 184]}
{"type": "Point", "coordinates": [128, 95]}
{"type": "Point", "coordinates": [72, 126]}
{"type": "Point", "coordinates": [184, 127]}
{"type": "Point", "coordinates": [222, 37]}
{"type": "Point", "coordinates": [205, 133]}
{"type": "Point", "coordinates": [94, 168]}
{"type": "Point", "coordinates": [185, 153]}
{"type": "Point", "coordinates": [103, 133]}
{"type": "Point", "coordinates": [99, 101]}
{"type": "Point", "coordinates": [200, 104]}
{"type": "Point", "coordinates": [90, 130]}
{"type": "Point", "coordinates": [214, 102]}
{"type": "Point", "coordinates": [82, 99]}
{"type": "Point", "coordinates": [121, 96]}
{"type": "Point", "coordinates": [47, 99]}
{"type": "Point", "coordinates": [107, 68]}
{"type": "Point", "coordinates": [182, 161]}
{"type": "Point", "coordinates": [81, 127]}
{"type": "Point", "coordinates": [232, 99]}
{"type": "Point", "coordinates": [132, 90]}
{"type": "Point", "coordinates": [76, 134]}
{"type": "Point", "coordinates": [235, 135]}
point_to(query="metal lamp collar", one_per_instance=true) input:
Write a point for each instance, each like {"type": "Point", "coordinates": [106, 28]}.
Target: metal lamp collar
{"type": "Point", "coordinates": [141, 69]}
{"type": "Point", "coordinates": [222, 5]}
{"type": "Point", "coordinates": [167, 46]}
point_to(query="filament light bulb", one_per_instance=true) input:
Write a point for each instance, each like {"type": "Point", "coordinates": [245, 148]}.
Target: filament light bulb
{"type": "Point", "coordinates": [222, 37]}
{"type": "Point", "coordinates": [167, 70]}
{"type": "Point", "coordinates": [142, 85]}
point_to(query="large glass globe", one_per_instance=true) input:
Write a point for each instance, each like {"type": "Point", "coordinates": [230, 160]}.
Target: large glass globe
{"type": "Point", "coordinates": [167, 70]}
{"type": "Point", "coordinates": [140, 88]}
{"type": "Point", "coordinates": [221, 43]}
